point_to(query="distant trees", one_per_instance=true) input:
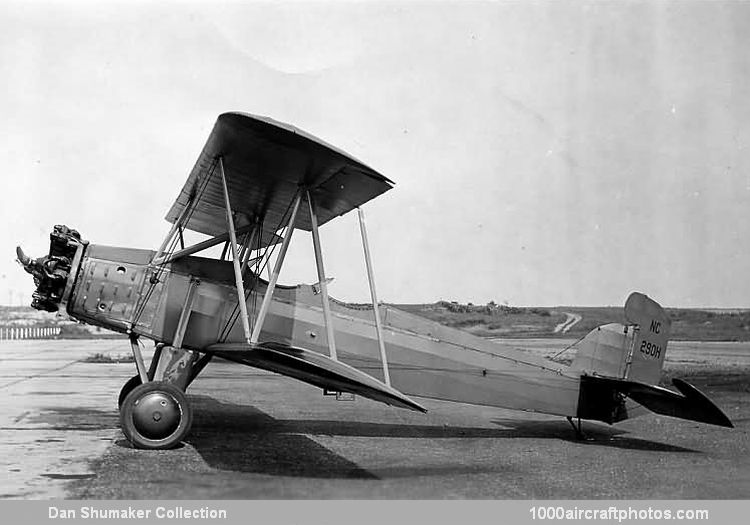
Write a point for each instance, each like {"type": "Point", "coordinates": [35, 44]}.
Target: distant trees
{"type": "Point", "coordinates": [491, 308]}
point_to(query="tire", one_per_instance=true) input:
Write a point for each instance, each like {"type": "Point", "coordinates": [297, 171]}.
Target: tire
{"type": "Point", "coordinates": [127, 388]}
{"type": "Point", "coordinates": [155, 416]}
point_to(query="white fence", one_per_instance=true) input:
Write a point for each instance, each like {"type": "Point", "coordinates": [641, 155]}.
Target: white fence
{"type": "Point", "coordinates": [28, 332]}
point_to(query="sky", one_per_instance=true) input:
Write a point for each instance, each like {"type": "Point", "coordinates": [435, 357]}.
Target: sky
{"type": "Point", "coordinates": [543, 153]}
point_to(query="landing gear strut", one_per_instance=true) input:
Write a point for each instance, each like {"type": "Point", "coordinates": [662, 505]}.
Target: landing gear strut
{"type": "Point", "coordinates": [580, 435]}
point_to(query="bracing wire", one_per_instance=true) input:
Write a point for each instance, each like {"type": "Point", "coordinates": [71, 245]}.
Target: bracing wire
{"type": "Point", "coordinates": [264, 259]}
{"type": "Point", "coordinates": [571, 345]}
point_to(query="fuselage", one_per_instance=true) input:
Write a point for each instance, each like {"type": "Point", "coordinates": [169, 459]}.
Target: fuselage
{"type": "Point", "coordinates": [118, 288]}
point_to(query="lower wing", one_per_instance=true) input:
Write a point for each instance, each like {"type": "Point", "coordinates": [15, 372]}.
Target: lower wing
{"type": "Point", "coordinates": [313, 368]}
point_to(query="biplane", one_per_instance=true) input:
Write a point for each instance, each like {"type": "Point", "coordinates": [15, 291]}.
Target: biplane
{"type": "Point", "coordinates": [255, 183]}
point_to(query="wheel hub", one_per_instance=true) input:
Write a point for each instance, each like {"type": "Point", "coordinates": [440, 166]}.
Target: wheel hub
{"type": "Point", "coordinates": [156, 415]}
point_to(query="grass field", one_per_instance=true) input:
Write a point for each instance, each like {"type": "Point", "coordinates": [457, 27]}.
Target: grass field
{"type": "Point", "coordinates": [506, 321]}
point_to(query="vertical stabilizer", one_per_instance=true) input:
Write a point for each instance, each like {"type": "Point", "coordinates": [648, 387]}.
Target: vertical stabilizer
{"type": "Point", "coordinates": [650, 342]}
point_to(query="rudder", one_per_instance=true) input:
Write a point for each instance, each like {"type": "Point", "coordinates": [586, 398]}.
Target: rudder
{"type": "Point", "coordinates": [652, 327]}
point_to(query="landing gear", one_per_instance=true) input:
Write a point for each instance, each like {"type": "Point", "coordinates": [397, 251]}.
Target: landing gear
{"type": "Point", "coordinates": [127, 388]}
{"type": "Point", "coordinates": [154, 411]}
{"type": "Point", "coordinates": [155, 415]}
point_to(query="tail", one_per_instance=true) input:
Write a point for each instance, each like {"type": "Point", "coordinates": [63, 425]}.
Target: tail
{"type": "Point", "coordinates": [619, 362]}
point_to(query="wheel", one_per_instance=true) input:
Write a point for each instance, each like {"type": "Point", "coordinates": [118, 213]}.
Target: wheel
{"type": "Point", "coordinates": [155, 415]}
{"type": "Point", "coordinates": [127, 388]}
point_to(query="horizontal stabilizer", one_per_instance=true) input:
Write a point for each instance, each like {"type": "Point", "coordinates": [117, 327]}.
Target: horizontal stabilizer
{"type": "Point", "coordinates": [313, 368]}
{"type": "Point", "coordinates": [690, 403]}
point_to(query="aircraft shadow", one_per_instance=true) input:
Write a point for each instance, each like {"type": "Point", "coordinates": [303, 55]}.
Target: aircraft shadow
{"type": "Point", "coordinates": [514, 428]}
{"type": "Point", "coordinates": [243, 438]}
{"type": "Point", "coordinates": [596, 435]}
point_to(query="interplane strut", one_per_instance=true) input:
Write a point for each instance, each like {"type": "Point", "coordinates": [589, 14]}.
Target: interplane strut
{"type": "Point", "coordinates": [322, 278]}
{"type": "Point", "coordinates": [276, 271]}
{"type": "Point", "coordinates": [374, 296]}
{"type": "Point", "coordinates": [235, 251]}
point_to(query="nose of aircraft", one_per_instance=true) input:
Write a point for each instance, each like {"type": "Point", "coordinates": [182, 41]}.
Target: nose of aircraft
{"type": "Point", "coordinates": [51, 272]}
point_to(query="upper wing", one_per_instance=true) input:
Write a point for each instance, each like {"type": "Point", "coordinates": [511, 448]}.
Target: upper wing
{"type": "Point", "coordinates": [314, 368]}
{"type": "Point", "coordinates": [265, 163]}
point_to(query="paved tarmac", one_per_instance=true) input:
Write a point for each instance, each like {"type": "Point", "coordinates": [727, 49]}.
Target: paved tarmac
{"type": "Point", "coordinates": [259, 435]}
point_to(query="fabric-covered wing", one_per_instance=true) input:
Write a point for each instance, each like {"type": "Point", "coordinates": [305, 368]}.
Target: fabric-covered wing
{"type": "Point", "coordinates": [265, 163]}
{"type": "Point", "coordinates": [314, 368]}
